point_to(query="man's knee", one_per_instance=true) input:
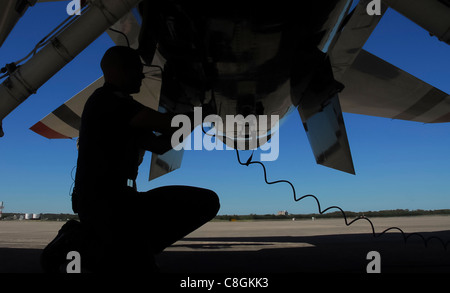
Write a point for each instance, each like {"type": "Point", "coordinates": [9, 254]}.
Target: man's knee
{"type": "Point", "coordinates": [215, 202]}
{"type": "Point", "coordinates": [211, 202]}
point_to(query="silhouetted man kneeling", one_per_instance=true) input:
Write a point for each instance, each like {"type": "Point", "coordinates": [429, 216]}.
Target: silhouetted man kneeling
{"type": "Point", "coordinates": [114, 131]}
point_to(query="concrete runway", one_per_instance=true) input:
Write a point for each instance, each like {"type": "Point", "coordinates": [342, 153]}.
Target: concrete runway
{"type": "Point", "coordinates": [267, 247]}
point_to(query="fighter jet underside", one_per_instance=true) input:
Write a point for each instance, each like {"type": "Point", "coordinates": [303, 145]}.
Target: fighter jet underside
{"type": "Point", "coordinates": [265, 61]}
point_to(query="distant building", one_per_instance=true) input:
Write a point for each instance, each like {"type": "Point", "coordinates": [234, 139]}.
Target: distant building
{"type": "Point", "coordinates": [282, 213]}
{"type": "Point", "coordinates": [29, 216]}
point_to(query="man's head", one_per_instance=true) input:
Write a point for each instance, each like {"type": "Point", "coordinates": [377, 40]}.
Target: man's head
{"type": "Point", "coordinates": [122, 68]}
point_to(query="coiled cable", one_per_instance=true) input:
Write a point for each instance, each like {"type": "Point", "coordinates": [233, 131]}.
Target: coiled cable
{"type": "Point", "coordinates": [405, 236]}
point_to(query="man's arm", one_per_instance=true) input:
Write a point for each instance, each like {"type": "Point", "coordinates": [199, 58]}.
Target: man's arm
{"type": "Point", "coordinates": [158, 144]}
{"type": "Point", "coordinates": [150, 120]}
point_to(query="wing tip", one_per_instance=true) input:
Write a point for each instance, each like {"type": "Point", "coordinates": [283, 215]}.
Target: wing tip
{"type": "Point", "coordinates": [45, 131]}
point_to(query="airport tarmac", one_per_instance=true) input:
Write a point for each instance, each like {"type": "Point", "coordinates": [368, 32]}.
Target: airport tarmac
{"type": "Point", "coordinates": [271, 247]}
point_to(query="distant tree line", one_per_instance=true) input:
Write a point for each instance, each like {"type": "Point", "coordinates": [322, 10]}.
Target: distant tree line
{"type": "Point", "coordinates": [336, 214]}
{"type": "Point", "coordinates": [331, 214]}
{"type": "Point", "coordinates": [43, 217]}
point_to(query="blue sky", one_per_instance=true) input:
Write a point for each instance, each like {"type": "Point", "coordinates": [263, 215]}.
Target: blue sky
{"type": "Point", "coordinates": [399, 164]}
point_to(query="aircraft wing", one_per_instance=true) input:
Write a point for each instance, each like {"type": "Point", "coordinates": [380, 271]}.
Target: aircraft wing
{"type": "Point", "coordinates": [373, 86]}
{"type": "Point", "coordinates": [376, 88]}
{"type": "Point", "coordinates": [64, 121]}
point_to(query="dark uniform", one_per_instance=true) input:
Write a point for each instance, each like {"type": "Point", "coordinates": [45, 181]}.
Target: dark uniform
{"type": "Point", "coordinates": [108, 150]}
{"type": "Point", "coordinates": [127, 227]}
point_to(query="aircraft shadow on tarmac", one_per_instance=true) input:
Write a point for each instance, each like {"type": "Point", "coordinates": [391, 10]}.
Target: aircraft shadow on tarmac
{"type": "Point", "coordinates": [281, 254]}
{"type": "Point", "coordinates": [324, 253]}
